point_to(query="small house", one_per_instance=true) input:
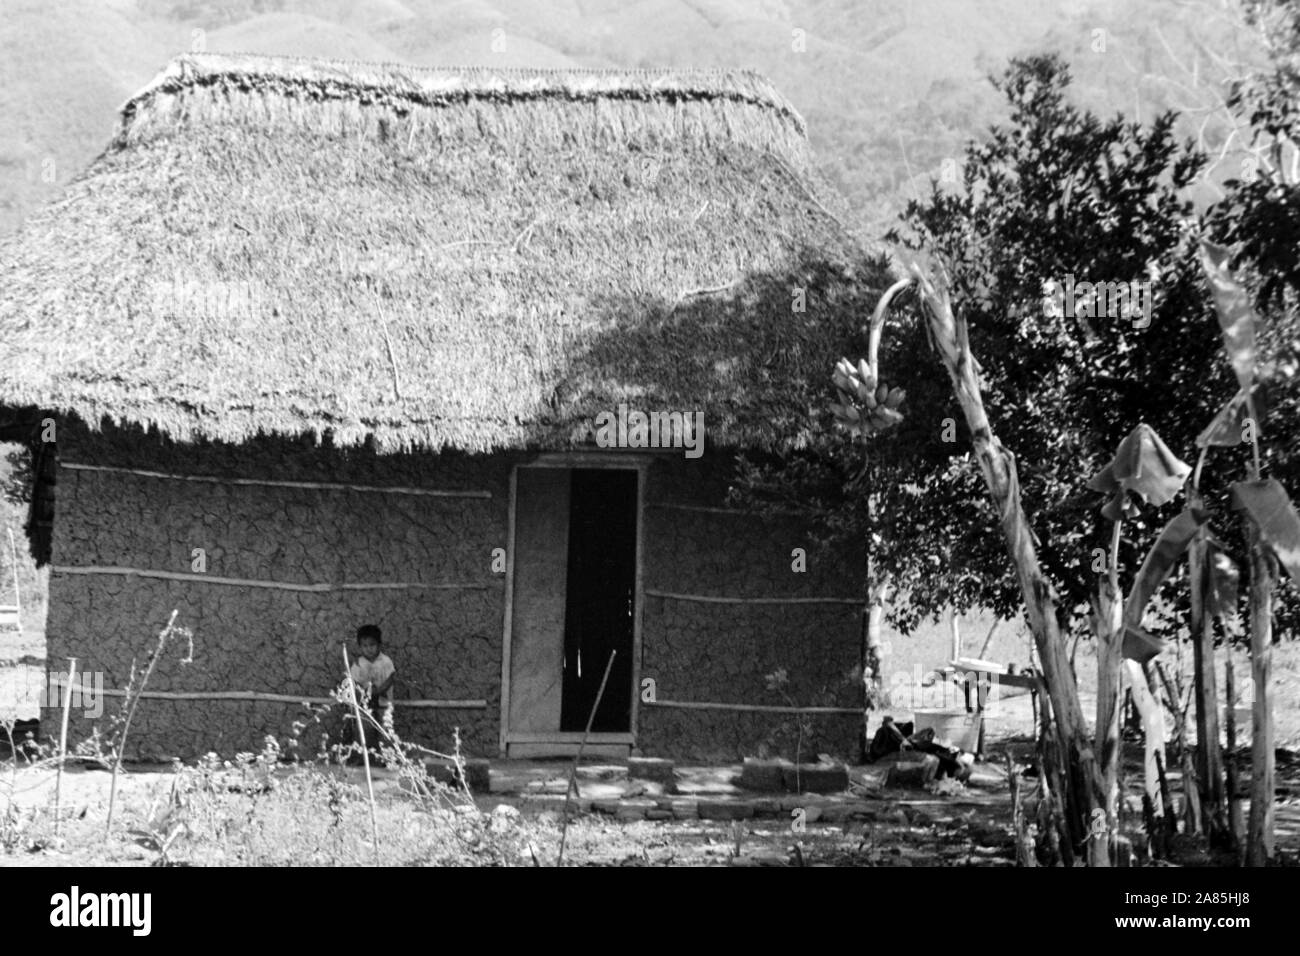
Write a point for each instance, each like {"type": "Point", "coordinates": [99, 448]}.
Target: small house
{"type": "Point", "coordinates": [469, 354]}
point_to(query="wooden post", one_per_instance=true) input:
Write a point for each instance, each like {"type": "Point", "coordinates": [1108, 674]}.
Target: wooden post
{"type": "Point", "coordinates": [1263, 579]}
{"type": "Point", "coordinates": [63, 744]}
{"type": "Point", "coordinates": [988, 639]}
{"type": "Point", "coordinates": [954, 629]}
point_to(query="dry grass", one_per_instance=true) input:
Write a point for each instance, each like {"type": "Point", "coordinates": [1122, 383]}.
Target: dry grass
{"type": "Point", "coordinates": [250, 813]}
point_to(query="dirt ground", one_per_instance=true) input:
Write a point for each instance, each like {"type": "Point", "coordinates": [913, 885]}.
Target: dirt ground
{"type": "Point", "coordinates": [967, 826]}
{"type": "Point", "coordinates": [872, 826]}
{"type": "Point", "coordinates": [904, 829]}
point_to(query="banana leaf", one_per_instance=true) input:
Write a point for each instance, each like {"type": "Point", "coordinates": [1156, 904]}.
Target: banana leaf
{"type": "Point", "coordinates": [1161, 559]}
{"type": "Point", "coordinates": [1144, 466]}
{"type": "Point", "coordinates": [1269, 507]}
{"type": "Point", "coordinates": [1236, 315]}
{"type": "Point", "coordinates": [1140, 645]}
{"type": "Point", "coordinates": [1225, 431]}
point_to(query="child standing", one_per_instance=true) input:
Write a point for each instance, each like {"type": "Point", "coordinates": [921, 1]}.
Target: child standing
{"type": "Point", "coordinates": [373, 671]}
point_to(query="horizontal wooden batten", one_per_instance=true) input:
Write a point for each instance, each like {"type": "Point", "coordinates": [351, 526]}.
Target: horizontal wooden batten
{"type": "Point", "coordinates": [716, 510]}
{"type": "Point", "coordinates": [253, 695]}
{"type": "Point", "coordinates": [713, 599]}
{"type": "Point", "coordinates": [253, 583]}
{"type": "Point", "coordinates": [753, 708]}
{"type": "Point", "coordinates": [268, 483]}
{"type": "Point", "coordinates": [594, 458]}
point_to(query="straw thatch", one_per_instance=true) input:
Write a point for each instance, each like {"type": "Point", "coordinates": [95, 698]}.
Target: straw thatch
{"type": "Point", "coordinates": [436, 258]}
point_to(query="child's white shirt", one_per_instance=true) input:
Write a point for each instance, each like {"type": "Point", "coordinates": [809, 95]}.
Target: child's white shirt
{"type": "Point", "coordinates": [369, 673]}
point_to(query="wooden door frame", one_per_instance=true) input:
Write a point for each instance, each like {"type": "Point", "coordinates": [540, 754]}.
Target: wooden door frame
{"type": "Point", "coordinates": [619, 461]}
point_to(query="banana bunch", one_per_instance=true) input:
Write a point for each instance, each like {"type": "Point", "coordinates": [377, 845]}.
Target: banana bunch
{"type": "Point", "coordinates": [866, 407]}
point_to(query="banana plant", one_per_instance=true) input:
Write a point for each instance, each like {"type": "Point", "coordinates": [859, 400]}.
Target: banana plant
{"type": "Point", "coordinates": [1143, 470]}
{"type": "Point", "coordinates": [1069, 764]}
{"type": "Point", "coordinates": [1213, 577]}
{"type": "Point", "coordinates": [1272, 531]}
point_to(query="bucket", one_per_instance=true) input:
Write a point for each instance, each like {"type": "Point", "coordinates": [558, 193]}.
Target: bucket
{"type": "Point", "coordinates": [952, 728]}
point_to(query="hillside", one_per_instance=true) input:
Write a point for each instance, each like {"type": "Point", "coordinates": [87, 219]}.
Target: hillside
{"type": "Point", "coordinates": [890, 88]}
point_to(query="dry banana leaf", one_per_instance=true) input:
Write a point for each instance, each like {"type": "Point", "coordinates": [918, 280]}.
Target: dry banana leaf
{"type": "Point", "coordinates": [1139, 645]}
{"type": "Point", "coordinates": [1144, 466]}
{"type": "Point", "coordinates": [1269, 507]}
{"type": "Point", "coordinates": [1236, 315]}
{"type": "Point", "coordinates": [1161, 560]}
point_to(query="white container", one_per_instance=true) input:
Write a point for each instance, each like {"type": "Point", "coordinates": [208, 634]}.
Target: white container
{"type": "Point", "coordinates": [952, 728]}
{"type": "Point", "coordinates": [1245, 719]}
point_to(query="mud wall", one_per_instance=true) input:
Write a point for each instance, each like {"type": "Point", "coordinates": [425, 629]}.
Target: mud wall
{"type": "Point", "coordinates": [701, 651]}
{"type": "Point", "coordinates": [445, 639]}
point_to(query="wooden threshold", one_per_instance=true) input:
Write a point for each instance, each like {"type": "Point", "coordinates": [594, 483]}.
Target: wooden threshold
{"type": "Point", "coordinates": [566, 744]}
{"type": "Point", "coordinates": [570, 737]}
{"type": "Point", "coordinates": [605, 751]}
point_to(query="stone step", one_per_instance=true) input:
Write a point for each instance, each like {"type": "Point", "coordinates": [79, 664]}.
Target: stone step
{"type": "Point", "coordinates": [477, 773]}
{"type": "Point", "coordinates": [782, 776]}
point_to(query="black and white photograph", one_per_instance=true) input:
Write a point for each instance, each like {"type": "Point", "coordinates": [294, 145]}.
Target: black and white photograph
{"type": "Point", "coordinates": [591, 434]}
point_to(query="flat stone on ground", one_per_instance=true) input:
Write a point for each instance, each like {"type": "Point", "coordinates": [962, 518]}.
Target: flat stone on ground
{"type": "Point", "coordinates": [477, 773]}
{"type": "Point", "coordinates": [761, 858]}
{"type": "Point", "coordinates": [913, 772]}
{"type": "Point", "coordinates": [725, 809]}
{"type": "Point", "coordinates": [763, 775]}
{"type": "Point", "coordinates": [685, 809]}
{"type": "Point", "coordinates": [816, 778]}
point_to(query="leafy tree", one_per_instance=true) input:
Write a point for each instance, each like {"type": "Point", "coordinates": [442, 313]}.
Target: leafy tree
{"type": "Point", "coordinates": [1055, 201]}
{"type": "Point", "coordinates": [1054, 193]}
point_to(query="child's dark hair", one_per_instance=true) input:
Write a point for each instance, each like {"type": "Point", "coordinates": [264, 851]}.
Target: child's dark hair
{"type": "Point", "coordinates": [370, 631]}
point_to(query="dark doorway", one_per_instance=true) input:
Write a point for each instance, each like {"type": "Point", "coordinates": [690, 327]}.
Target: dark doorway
{"type": "Point", "coordinates": [600, 595]}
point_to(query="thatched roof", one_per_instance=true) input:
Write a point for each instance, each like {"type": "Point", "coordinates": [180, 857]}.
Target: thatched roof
{"type": "Point", "coordinates": [465, 258]}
